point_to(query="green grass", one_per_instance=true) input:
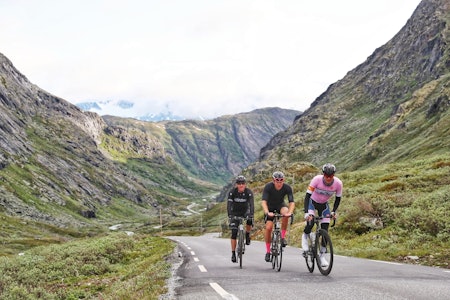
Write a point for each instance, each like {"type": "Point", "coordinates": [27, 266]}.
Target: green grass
{"type": "Point", "coordinates": [114, 266]}
{"type": "Point", "coordinates": [409, 201]}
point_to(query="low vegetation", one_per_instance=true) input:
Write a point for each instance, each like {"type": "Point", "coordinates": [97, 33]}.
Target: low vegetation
{"type": "Point", "coordinates": [113, 266]}
{"type": "Point", "coordinates": [393, 212]}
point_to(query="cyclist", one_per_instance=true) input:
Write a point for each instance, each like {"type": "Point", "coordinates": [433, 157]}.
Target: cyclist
{"type": "Point", "coordinates": [240, 203]}
{"type": "Point", "coordinates": [273, 200]}
{"type": "Point", "coordinates": [319, 192]}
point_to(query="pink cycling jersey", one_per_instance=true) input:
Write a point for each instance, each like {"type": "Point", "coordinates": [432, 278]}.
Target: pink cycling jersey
{"type": "Point", "coordinates": [320, 192]}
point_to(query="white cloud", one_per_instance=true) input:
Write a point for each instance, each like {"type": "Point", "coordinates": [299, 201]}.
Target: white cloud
{"type": "Point", "coordinates": [198, 56]}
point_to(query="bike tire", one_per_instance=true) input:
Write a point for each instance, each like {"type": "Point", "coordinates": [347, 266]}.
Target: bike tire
{"type": "Point", "coordinates": [324, 248]}
{"type": "Point", "coordinates": [310, 255]}
{"type": "Point", "coordinates": [240, 247]}
{"type": "Point", "coordinates": [273, 250]}
{"type": "Point", "coordinates": [280, 253]}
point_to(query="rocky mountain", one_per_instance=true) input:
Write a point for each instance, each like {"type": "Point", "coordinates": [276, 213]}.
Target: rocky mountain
{"type": "Point", "coordinates": [65, 167]}
{"type": "Point", "coordinates": [52, 169]}
{"type": "Point", "coordinates": [392, 107]}
{"type": "Point", "coordinates": [212, 150]}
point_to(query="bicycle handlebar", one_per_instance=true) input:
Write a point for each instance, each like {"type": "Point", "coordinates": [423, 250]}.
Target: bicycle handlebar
{"type": "Point", "coordinates": [278, 215]}
{"type": "Point", "coordinates": [317, 218]}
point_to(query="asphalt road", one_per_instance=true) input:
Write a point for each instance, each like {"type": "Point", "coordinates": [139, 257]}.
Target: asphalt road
{"type": "Point", "coordinates": [208, 273]}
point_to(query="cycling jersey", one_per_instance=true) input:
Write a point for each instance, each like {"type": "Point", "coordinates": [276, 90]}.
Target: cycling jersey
{"type": "Point", "coordinates": [240, 204]}
{"type": "Point", "coordinates": [274, 198]}
{"type": "Point", "coordinates": [320, 192]}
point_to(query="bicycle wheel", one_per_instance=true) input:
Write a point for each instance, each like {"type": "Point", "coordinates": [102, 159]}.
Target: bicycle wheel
{"type": "Point", "coordinates": [280, 253]}
{"type": "Point", "coordinates": [309, 255]}
{"type": "Point", "coordinates": [240, 246]}
{"type": "Point", "coordinates": [273, 248]}
{"type": "Point", "coordinates": [324, 252]}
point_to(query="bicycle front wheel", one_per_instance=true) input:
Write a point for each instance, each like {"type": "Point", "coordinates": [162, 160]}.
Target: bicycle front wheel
{"type": "Point", "coordinates": [273, 250]}
{"type": "Point", "coordinates": [240, 247]}
{"type": "Point", "coordinates": [277, 251]}
{"type": "Point", "coordinates": [324, 252]}
{"type": "Point", "coordinates": [280, 254]}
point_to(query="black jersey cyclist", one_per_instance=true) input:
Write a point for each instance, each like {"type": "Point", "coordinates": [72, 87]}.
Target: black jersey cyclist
{"type": "Point", "coordinates": [240, 203]}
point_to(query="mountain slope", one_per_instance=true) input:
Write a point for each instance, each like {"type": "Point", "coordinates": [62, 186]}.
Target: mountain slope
{"type": "Point", "coordinates": [53, 171]}
{"type": "Point", "coordinates": [393, 106]}
{"type": "Point", "coordinates": [212, 150]}
{"type": "Point", "coordinates": [61, 167]}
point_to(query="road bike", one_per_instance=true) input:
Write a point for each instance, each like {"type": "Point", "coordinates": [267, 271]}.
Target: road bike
{"type": "Point", "coordinates": [320, 248]}
{"type": "Point", "coordinates": [276, 247]}
{"type": "Point", "coordinates": [240, 249]}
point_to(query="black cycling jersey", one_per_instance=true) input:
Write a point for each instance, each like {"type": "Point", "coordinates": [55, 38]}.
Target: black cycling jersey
{"type": "Point", "coordinates": [274, 198]}
{"type": "Point", "coordinates": [240, 204]}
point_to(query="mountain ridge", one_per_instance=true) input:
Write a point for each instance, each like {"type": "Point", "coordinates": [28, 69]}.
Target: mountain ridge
{"type": "Point", "coordinates": [356, 113]}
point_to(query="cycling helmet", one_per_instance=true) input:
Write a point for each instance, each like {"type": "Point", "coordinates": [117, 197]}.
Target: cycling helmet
{"type": "Point", "coordinates": [240, 179]}
{"type": "Point", "coordinates": [328, 169]}
{"type": "Point", "coordinates": [277, 175]}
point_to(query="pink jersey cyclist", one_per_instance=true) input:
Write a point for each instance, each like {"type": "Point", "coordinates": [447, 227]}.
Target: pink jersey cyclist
{"type": "Point", "coordinates": [319, 192]}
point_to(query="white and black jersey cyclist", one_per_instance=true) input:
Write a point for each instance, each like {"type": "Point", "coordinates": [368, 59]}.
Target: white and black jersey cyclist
{"type": "Point", "coordinates": [241, 204]}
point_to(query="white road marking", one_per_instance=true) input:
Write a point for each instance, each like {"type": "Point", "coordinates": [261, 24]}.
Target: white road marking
{"type": "Point", "coordinates": [202, 268]}
{"type": "Point", "coordinates": [387, 262]}
{"type": "Point", "coordinates": [224, 294]}
{"type": "Point", "coordinates": [196, 259]}
{"type": "Point", "coordinates": [192, 253]}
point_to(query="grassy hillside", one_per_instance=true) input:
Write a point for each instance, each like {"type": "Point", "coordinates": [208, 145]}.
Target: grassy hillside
{"type": "Point", "coordinates": [388, 212]}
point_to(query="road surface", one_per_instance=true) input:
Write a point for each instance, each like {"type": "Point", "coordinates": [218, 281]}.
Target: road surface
{"type": "Point", "coordinates": [208, 273]}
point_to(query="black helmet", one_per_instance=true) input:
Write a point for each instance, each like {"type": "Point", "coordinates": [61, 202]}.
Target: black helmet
{"type": "Point", "coordinates": [240, 179]}
{"type": "Point", "coordinates": [277, 175]}
{"type": "Point", "coordinates": [328, 169]}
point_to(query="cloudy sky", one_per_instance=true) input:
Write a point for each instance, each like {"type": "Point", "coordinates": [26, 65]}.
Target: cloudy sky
{"type": "Point", "coordinates": [194, 57]}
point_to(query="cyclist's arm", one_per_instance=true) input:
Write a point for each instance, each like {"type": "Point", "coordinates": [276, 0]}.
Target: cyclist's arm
{"type": "Point", "coordinates": [306, 204]}
{"type": "Point", "coordinates": [291, 207]}
{"type": "Point", "coordinates": [251, 203]}
{"type": "Point", "coordinates": [337, 201]}
{"type": "Point", "coordinates": [230, 204]}
{"type": "Point", "coordinates": [265, 207]}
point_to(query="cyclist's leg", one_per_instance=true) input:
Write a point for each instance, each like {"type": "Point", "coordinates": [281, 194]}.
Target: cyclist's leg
{"type": "Point", "coordinates": [324, 210]}
{"type": "Point", "coordinates": [234, 229]}
{"type": "Point", "coordinates": [284, 224]}
{"type": "Point", "coordinates": [268, 235]}
{"type": "Point", "coordinates": [308, 227]}
{"type": "Point", "coordinates": [284, 220]}
{"type": "Point", "coordinates": [311, 211]}
{"type": "Point", "coordinates": [248, 228]}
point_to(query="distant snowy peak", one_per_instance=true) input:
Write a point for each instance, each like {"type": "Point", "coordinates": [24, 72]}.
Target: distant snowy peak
{"type": "Point", "coordinates": [91, 106]}
{"type": "Point", "coordinates": [167, 116]}
{"type": "Point", "coordinates": [123, 108]}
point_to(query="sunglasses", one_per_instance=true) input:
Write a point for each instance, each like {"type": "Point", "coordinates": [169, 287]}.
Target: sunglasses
{"type": "Point", "coordinates": [240, 183]}
{"type": "Point", "coordinates": [279, 179]}
{"type": "Point", "coordinates": [328, 176]}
